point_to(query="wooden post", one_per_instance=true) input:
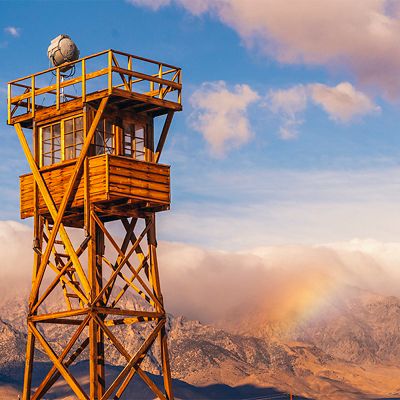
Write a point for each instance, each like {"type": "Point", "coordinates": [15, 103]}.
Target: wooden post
{"type": "Point", "coordinates": [33, 96]}
{"type": "Point", "coordinates": [155, 280]}
{"type": "Point", "coordinates": [83, 81]}
{"type": "Point", "coordinates": [110, 71]}
{"type": "Point", "coordinates": [96, 336]}
{"type": "Point", "coordinates": [58, 88]}
{"type": "Point", "coordinates": [9, 103]}
{"type": "Point", "coordinates": [130, 69]}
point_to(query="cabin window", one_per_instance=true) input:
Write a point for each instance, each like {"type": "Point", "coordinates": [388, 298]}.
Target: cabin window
{"type": "Point", "coordinates": [104, 138]}
{"type": "Point", "coordinates": [51, 144]}
{"type": "Point", "coordinates": [73, 137]}
{"type": "Point", "coordinates": [61, 141]}
{"type": "Point", "coordinates": [133, 140]}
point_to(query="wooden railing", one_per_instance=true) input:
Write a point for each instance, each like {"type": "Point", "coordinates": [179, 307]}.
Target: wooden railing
{"type": "Point", "coordinates": [109, 69]}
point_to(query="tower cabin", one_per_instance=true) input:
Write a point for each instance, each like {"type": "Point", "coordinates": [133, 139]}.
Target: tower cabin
{"type": "Point", "coordinates": [106, 107]}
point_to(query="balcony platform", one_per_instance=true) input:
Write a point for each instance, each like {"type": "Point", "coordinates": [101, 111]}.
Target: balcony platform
{"type": "Point", "coordinates": [118, 187]}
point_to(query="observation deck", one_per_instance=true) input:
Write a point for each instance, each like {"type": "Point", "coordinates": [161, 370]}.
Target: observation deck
{"type": "Point", "coordinates": [94, 129]}
{"type": "Point", "coordinates": [133, 83]}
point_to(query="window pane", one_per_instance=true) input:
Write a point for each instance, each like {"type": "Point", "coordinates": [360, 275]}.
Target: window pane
{"type": "Point", "coordinates": [46, 133]}
{"type": "Point", "coordinates": [100, 125]}
{"type": "Point", "coordinates": [46, 147]}
{"type": "Point", "coordinates": [68, 139]}
{"type": "Point", "coordinates": [47, 160]}
{"type": "Point", "coordinates": [69, 153]}
{"type": "Point", "coordinates": [57, 141]}
{"type": "Point", "coordinates": [99, 140]}
{"type": "Point", "coordinates": [78, 123]}
{"type": "Point", "coordinates": [78, 149]}
{"type": "Point", "coordinates": [56, 130]}
{"type": "Point", "coordinates": [56, 156]}
{"type": "Point", "coordinates": [139, 132]}
{"type": "Point", "coordinates": [108, 127]}
{"type": "Point", "coordinates": [79, 137]}
{"type": "Point", "coordinates": [68, 125]}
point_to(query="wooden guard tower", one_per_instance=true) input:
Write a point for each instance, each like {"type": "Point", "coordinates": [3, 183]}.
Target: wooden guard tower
{"type": "Point", "coordinates": [94, 158]}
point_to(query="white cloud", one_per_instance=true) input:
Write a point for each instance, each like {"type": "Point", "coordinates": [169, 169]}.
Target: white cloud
{"type": "Point", "coordinates": [153, 4]}
{"type": "Point", "coordinates": [361, 36]}
{"type": "Point", "coordinates": [13, 31]}
{"type": "Point", "coordinates": [342, 102]}
{"type": "Point", "coordinates": [288, 103]}
{"type": "Point", "coordinates": [221, 115]}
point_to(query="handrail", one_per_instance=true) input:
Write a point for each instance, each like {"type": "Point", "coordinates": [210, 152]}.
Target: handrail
{"type": "Point", "coordinates": [71, 63]}
{"type": "Point", "coordinates": [64, 65]}
{"type": "Point", "coordinates": [164, 79]}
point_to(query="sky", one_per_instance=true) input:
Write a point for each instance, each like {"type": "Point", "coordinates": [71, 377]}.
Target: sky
{"type": "Point", "coordinates": [289, 130]}
{"type": "Point", "coordinates": [285, 172]}
{"type": "Point", "coordinates": [285, 157]}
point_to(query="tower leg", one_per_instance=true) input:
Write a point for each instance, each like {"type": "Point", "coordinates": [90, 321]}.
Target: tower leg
{"type": "Point", "coordinates": [96, 336]}
{"type": "Point", "coordinates": [30, 350]}
{"type": "Point", "coordinates": [166, 369]}
{"type": "Point", "coordinates": [155, 280]}
{"type": "Point", "coordinates": [30, 344]}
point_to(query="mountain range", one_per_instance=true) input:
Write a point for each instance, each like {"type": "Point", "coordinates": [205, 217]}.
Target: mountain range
{"type": "Point", "coordinates": [349, 350]}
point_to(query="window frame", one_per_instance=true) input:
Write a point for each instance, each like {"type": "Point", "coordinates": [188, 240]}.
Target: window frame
{"type": "Point", "coordinates": [62, 150]}
{"type": "Point", "coordinates": [136, 153]}
{"type": "Point", "coordinates": [113, 136]}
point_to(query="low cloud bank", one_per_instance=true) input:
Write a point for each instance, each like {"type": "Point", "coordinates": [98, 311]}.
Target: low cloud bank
{"type": "Point", "coordinates": [211, 285]}
{"type": "Point", "coordinates": [284, 281]}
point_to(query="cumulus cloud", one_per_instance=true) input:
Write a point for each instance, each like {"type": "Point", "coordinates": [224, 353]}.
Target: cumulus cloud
{"type": "Point", "coordinates": [13, 31]}
{"type": "Point", "coordinates": [360, 36]}
{"type": "Point", "coordinates": [221, 115]}
{"type": "Point", "coordinates": [342, 103]}
{"type": "Point", "coordinates": [289, 103]}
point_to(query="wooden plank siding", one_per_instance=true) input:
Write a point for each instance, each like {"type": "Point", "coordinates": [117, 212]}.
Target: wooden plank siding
{"type": "Point", "coordinates": [111, 178]}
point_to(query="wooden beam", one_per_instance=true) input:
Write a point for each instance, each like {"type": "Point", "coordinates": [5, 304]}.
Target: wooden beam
{"type": "Point", "coordinates": [72, 382]}
{"type": "Point", "coordinates": [54, 283]}
{"type": "Point", "coordinates": [39, 391]}
{"type": "Point", "coordinates": [146, 77]}
{"type": "Point", "coordinates": [56, 374]}
{"type": "Point", "coordinates": [58, 314]}
{"type": "Point", "coordinates": [127, 256]}
{"type": "Point", "coordinates": [53, 210]}
{"type": "Point", "coordinates": [133, 360]}
{"type": "Point", "coordinates": [67, 195]}
{"type": "Point", "coordinates": [163, 136]}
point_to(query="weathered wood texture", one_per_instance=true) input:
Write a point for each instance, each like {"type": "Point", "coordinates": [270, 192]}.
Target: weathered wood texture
{"type": "Point", "coordinates": [111, 178]}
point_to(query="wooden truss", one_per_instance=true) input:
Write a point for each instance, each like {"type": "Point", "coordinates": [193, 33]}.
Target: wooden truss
{"type": "Point", "coordinates": [93, 293]}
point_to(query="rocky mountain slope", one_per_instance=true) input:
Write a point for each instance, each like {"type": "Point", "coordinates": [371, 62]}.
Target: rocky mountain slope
{"type": "Point", "coordinates": [350, 351]}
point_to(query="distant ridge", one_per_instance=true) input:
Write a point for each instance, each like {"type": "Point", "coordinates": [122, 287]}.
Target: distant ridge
{"type": "Point", "coordinates": [349, 353]}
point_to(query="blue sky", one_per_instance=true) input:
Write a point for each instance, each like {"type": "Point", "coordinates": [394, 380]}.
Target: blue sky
{"type": "Point", "coordinates": [334, 176]}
